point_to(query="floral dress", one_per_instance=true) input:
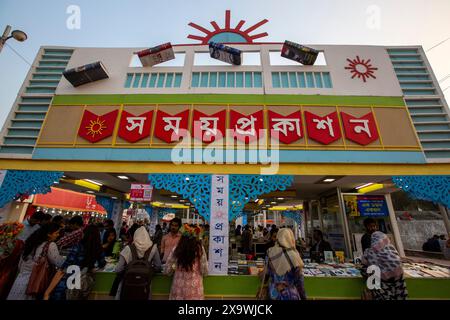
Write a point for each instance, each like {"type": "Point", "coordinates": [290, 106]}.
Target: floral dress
{"type": "Point", "coordinates": [187, 285]}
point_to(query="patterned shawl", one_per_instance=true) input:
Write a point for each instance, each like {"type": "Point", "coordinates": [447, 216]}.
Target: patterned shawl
{"type": "Point", "coordinates": [384, 255]}
{"type": "Point", "coordinates": [278, 260]}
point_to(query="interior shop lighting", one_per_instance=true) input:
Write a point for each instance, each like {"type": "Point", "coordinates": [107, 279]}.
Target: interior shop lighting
{"type": "Point", "coordinates": [329, 180]}
{"type": "Point", "coordinates": [364, 185]}
{"type": "Point", "coordinates": [187, 178]}
{"type": "Point", "coordinates": [85, 184]}
{"type": "Point", "coordinates": [115, 198]}
{"type": "Point", "coordinates": [89, 191]}
{"type": "Point", "coordinates": [256, 201]}
{"type": "Point", "coordinates": [94, 182]}
{"type": "Point", "coordinates": [280, 198]}
{"type": "Point", "coordinates": [123, 177]}
{"type": "Point", "coordinates": [174, 196]}
{"type": "Point", "coordinates": [372, 187]}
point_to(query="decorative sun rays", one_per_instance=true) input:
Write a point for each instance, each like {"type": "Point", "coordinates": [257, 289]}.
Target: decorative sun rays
{"type": "Point", "coordinates": [245, 34]}
{"type": "Point", "coordinates": [361, 68]}
{"type": "Point", "coordinates": [96, 127]}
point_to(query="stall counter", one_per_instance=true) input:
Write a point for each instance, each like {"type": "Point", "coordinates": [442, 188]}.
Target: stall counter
{"type": "Point", "coordinates": [245, 287]}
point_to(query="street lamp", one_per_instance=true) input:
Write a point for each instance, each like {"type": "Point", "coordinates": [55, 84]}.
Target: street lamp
{"type": "Point", "coordinates": [16, 34]}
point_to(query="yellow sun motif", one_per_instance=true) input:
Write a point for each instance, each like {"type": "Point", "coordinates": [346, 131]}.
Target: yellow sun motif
{"type": "Point", "coordinates": [96, 127]}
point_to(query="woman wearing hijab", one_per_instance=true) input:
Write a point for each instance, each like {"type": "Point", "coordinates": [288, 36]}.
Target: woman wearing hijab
{"type": "Point", "coordinates": [141, 243]}
{"type": "Point", "coordinates": [384, 255]}
{"type": "Point", "coordinates": [285, 268]}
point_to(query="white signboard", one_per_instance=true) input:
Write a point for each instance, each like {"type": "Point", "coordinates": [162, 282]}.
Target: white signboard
{"type": "Point", "coordinates": [218, 238]}
{"type": "Point", "coordinates": [141, 192]}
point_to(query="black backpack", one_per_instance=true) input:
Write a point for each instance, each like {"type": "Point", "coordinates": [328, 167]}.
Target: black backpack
{"type": "Point", "coordinates": [138, 276]}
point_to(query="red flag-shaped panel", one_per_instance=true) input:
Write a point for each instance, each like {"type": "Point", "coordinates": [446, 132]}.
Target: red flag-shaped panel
{"type": "Point", "coordinates": [287, 128]}
{"type": "Point", "coordinates": [168, 127]}
{"type": "Point", "coordinates": [325, 129]}
{"type": "Point", "coordinates": [134, 128]}
{"type": "Point", "coordinates": [246, 128]}
{"type": "Point", "coordinates": [94, 128]}
{"type": "Point", "coordinates": [208, 128]}
{"type": "Point", "coordinates": [361, 130]}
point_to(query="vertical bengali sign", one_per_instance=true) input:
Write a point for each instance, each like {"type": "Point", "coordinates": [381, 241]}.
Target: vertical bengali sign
{"type": "Point", "coordinates": [141, 192]}
{"type": "Point", "coordinates": [218, 241]}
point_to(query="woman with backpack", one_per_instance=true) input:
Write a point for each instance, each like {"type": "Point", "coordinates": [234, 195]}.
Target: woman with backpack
{"type": "Point", "coordinates": [189, 264]}
{"type": "Point", "coordinates": [137, 263]}
{"type": "Point", "coordinates": [285, 269]}
{"type": "Point", "coordinates": [85, 254]}
{"type": "Point", "coordinates": [40, 245]}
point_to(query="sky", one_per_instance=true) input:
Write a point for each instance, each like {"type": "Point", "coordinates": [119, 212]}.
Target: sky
{"type": "Point", "coordinates": [139, 23]}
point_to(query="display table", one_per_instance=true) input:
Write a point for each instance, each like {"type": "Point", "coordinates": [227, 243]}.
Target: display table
{"type": "Point", "coordinates": [245, 287]}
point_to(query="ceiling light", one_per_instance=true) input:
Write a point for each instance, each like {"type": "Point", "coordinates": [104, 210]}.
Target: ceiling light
{"type": "Point", "coordinates": [123, 177]}
{"type": "Point", "coordinates": [273, 202]}
{"type": "Point", "coordinates": [94, 182]}
{"type": "Point", "coordinates": [372, 187]}
{"type": "Point", "coordinates": [174, 196]}
{"type": "Point", "coordinates": [364, 185]}
{"type": "Point", "coordinates": [115, 198]}
{"type": "Point", "coordinates": [280, 198]}
{"type": "Point", "coordinates": [187, 178]}
{"type": "Point", "coordinates": [182, 200]}
{"type": "Point", "coordinates": [256, 200]}
{"type": "Point", "coordinates": [89, 191]}
{"type": "Point", "coordinates": [329, 180]}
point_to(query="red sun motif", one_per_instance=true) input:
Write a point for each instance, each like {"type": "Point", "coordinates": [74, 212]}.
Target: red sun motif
{"type": "Point", "coordinates": [361, 68]}
{"type": "Point", "coordinates": [244, 34]}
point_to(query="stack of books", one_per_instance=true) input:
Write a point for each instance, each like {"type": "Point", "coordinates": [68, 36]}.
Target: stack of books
{"type": "Point", "coordinates": [86, 74]}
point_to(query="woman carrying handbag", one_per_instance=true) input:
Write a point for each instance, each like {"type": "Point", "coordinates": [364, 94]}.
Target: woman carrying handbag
{"type": "Point", "coordinates": [40, 256]}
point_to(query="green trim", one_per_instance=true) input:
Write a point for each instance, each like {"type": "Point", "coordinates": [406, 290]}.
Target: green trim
{"type": "Point", "coordinates": [227, 98]}
{"type": "Point", "coordinates": [316, 287]}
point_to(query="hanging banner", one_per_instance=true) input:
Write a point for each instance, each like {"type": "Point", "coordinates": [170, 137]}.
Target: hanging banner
{"type": "Point", "coordinates": [141, 192]}
{"type": "Point", "coordinates": [372, 206]}
{"type": "Point", "coordinates": [218, 241]}
{"type": "Point", "coordinates": [366, 206]}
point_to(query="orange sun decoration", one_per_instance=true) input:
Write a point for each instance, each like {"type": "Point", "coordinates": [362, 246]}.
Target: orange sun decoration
{"type": "Point", "coordinates": [228, 34]}
{"type": "Point", "coordinates": [361, 68]}
{"type": "Point", "coordinates": [96, 127]}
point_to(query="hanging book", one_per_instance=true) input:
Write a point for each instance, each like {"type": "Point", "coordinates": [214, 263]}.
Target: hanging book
{"type": "Point", "coordinates": [224, 53]}
{"type": "Point", "coordinates": [299, 53]}
{"type": "Point", "coordinates": [88, 73]}
{"type": "Point", "coordinates": [159, 54]}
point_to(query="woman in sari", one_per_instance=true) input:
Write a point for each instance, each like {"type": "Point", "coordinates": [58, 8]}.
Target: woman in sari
{"type": "Point", "coordinates": [384, 255]}
{"type": "Point", "coordinates": [285, 269]}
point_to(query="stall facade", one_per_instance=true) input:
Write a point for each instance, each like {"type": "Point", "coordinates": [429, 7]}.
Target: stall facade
{"type": "Point", "coordinates": [193, 127]}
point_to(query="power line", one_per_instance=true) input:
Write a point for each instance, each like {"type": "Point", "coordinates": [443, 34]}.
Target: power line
{"type": "Point", "coordinates": [438, 44]}
{"type": "Point", "coordinates": [20, 56]}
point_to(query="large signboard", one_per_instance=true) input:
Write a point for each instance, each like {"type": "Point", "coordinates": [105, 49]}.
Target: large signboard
{"type": "Point", "coordinates": [290, 127]}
